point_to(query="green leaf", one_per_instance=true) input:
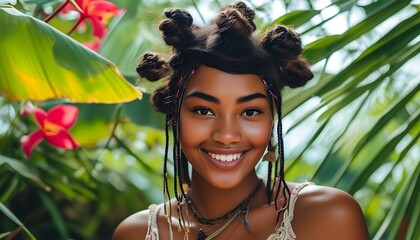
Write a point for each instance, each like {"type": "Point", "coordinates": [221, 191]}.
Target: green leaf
{"type": "Point", "coordinates": [333, 150]}
{"type": "Point", "coordinates": [11, 184]}
{"type": "Point", "coordinates": [56, 216]}
{"type": "Point", "coordinates": [38, 62]}
{"type": "Point", "coordinates": [409, 25]}
{"type": "Point", "coordinates": [392, 222]}
{"type": "Point", "coordinates": [413, 212]}
{"type": "Point", "coordinates": [23, 170]}
{"type": "Point", "coordinates": [12, 217]}
{"type": "Point", "coordinates": [324, 47]}
{"type": "Point", "coordinates": [295, 18]}
{"type": "Point", "coordinates": [291, 162]}
{"type": "Point", "coordinates": [363, 66]}
{"type": "Point", "coordinates": [383, 154]}
{"type": "Point", "coordinates": [387, 116]}
{"type": "Point", "coordinates": [396, 62]}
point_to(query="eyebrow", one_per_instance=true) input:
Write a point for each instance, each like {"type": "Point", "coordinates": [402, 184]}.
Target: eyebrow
{"type": "Point", "coordinates": [251, 97]}
{"type": "Point", "coordinates": [213, 99]}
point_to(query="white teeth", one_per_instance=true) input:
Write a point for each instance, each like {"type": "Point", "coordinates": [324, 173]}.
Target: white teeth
{"type": "Point", "coordinates": [225, 157]}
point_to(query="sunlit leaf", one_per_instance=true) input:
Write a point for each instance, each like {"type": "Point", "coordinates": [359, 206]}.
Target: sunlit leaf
{"type": "Point", "coordinates": [324, 47]}
{"type": "Point", "coordinates": [291, 162]}
{"type": "Point", "coordinates": [383, 154]}
{"type": "Point", "coordinates": [387, 116]}
{"type": "Point", "coordinates": [397, 62]}
{"type": "Point", "coordinates": [414, 211]}
{"type": "Point", "coordinates": [39, 63]}
{"type": "Point", "coordinates": [365, 65]}
{"type": "Point", "coordinates": [334, 150]}
{"type": "Point", "coordinates": [295, 18]}
{"type": "Point", "coordinates": [392, 222]}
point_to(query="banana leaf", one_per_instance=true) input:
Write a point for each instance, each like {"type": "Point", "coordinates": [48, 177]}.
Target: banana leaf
{"type": "Point", "coordinates": [39, 62]}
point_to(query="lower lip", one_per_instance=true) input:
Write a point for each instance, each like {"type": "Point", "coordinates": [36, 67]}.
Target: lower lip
{"type": "Point", "coordinates": [225, 165]}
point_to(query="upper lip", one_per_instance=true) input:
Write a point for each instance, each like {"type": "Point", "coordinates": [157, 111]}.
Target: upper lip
{"type": "Point", "coordinates": [224, 151]}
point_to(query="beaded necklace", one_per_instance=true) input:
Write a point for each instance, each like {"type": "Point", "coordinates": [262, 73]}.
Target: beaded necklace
{"type": "Point", "coordinates": [241, 210]}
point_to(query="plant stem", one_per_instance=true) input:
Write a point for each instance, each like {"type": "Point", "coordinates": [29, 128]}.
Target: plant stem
{"type": "Point", "coordinates": [64, 4]}
{"type": "Point", "coordinates": [117, 117]}
{"type": "Point", "coordinates": [75, 26]}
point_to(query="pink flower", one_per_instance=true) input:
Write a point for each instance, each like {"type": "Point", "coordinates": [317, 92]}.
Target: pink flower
{"type": "Point", "coordinates": [53, 127]}
{"type": "Point", "coordinates": [98, 12]}
{"type": "Point", "coordinates": [27, 109]}
{"type": "Point", "coordinates": [93, 45]}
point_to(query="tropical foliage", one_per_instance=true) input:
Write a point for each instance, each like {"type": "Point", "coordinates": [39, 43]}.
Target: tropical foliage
{"type": "Point", "coordinates": [355, 126]}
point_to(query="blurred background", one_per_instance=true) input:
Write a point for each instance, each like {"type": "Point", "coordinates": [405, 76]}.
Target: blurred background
{"type": "Point", "coordinates": [355, 126]}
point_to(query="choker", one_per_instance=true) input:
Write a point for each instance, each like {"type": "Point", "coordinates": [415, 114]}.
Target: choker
{"type": "Point", "coordinates": [241, 210]}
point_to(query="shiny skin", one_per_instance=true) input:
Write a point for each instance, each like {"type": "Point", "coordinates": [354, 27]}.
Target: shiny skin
{"type": "Point", "coordinates": [222, 124]}
{"type": "Point", "coordinates": [224, 127]}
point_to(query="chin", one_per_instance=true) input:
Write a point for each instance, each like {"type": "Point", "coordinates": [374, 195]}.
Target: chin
{"type": "Point", "coordinates": [225, 181]}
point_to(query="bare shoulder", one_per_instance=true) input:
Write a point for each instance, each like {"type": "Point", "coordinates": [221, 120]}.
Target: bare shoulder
{"type": "Point", "coordinates": [328, 213]}
{"type": "Point", "coordinates": [133, 227]}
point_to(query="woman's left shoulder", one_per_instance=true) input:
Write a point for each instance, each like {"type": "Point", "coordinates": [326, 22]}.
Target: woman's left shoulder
{"type": "Point", "coordinates": [328, 213]}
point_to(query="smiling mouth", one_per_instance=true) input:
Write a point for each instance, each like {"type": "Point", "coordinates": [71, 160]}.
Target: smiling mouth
{"type": "Point", "coordinates": [225, 157]}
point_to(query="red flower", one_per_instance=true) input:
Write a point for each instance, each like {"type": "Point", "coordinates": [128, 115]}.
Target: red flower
{"type": "Point", "coordinates": [93, 45]}
{"type": "Point", "coordinates": [53, 127]}
{"type": "Point", "coordinates": [98, 12]}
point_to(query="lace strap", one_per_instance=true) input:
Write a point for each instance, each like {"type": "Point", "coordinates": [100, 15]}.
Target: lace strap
{"type": "Point", "coordinates": [285, 231]}
{"type": "Point", "coordinates": [152, 229]}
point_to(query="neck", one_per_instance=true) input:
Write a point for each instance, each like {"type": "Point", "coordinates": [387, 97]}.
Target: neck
{"type": "Point", "coordinates": [212, 202]}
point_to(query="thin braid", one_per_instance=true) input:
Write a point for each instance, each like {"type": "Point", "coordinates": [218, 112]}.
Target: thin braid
{"type": "Point", "coordinates": [269, 188]}
{"type": "Point", "coordinates": [178, 161]}
{"type": "Point", "coordinates": [175, 159]}
{"type": "Point", "coordinates": [178, 165]}
{"type": "Point", "coordinates": [175, 128]}
{"type": "Point", "coordinates": [165, 168]}
{"type": "Point", "coordinates": [276, 164]}
{"type": "Point", "coordinates": [286, 190]}
{"type": "Point", "coordinates": [179, 177]}
{"type": "Point", "coordinates": [228, 45]}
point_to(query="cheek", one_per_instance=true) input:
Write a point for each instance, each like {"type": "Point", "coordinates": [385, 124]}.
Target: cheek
{"type": "Point", "coordinates": [191, 132]}
{"type": "Point", "coordinates": [258, 133]}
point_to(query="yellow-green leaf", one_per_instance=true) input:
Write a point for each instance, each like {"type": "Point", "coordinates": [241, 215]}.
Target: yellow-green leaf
{"type": "Point", "coordinates": [38, 62]}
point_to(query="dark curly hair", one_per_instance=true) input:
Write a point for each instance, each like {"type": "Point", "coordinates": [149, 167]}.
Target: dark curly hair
{"type": "Point", "coordinates": [228, 45]}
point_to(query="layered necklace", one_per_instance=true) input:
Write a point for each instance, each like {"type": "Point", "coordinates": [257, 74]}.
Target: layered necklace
{"type": "Point", "coordinates": [241, 210]}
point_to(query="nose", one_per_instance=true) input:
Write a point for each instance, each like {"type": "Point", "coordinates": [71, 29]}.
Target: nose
{"type": "Point", "coordinates": [227, 131]}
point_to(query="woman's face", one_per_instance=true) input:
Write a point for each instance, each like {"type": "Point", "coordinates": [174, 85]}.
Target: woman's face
{"type": "Point", "coordinates": [226, 123]}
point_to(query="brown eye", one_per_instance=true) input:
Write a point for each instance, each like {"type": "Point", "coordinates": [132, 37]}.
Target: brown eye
{"type": "Point", "coordinates": [251, 112]}
{"type": "Point", "coordinates": [203, 111]}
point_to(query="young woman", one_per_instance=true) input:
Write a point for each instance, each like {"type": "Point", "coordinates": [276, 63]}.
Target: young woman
{"type": "Point", "coordinates": [223, 107]}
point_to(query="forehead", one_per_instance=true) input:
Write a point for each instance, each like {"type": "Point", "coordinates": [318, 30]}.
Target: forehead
{"type": "Point", "coordinates": [214, 81]}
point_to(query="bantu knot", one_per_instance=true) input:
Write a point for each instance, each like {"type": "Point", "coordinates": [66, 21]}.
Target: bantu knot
{"type": "Point", "coordinates": [282, 42]}
{"type": "Point", "coordinates": [177, 29]}
{"type": "Point", "coordinates": [159, 98]}
{"type": "Point", "coordinates": [247, 12]}
{"type": "Point", "coordinates": [235, 21]}
{"type": "Point", "coordinates": [152, 67]}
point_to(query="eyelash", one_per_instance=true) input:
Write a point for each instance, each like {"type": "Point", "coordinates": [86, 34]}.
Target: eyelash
{"type": "Point", "coordinates": [199, 109]}
{"type": "Point", "coordinates": [254, 113]}
{"type": "Point", "coordinates": [254, 110]}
